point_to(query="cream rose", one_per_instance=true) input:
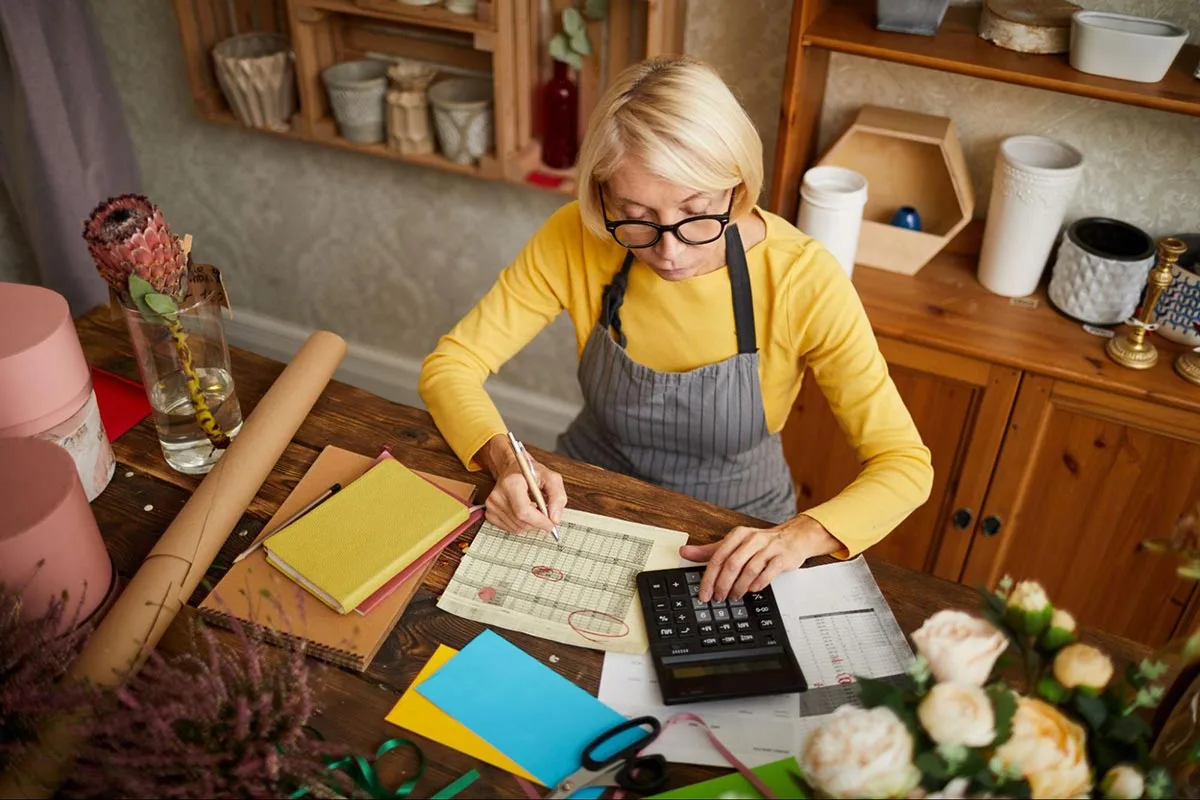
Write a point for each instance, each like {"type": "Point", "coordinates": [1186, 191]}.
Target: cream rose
{"type": "Point", "coordinates": [861, 753]}
{"type": "Point", "coordinates": [1048, 750]}
{"type": "Point", "coordinates": [958, 713]}
{"type": "Point", "coordinates": [1028, 596]}
{"type": "Point", "coordinates": [1082, 665]}
{"type": "Point", "coordinates": [1123, 782]}
{"type": "Point", "coordinates": [1063, 621]}
{"type": "Point", "coordinates": [960, 648]}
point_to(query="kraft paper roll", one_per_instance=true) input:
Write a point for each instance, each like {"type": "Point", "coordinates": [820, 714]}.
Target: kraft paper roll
{"type": "Point", "coordinates": [173, 569]}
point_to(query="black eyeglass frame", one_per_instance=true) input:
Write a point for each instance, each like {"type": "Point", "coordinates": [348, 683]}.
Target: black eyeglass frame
{"type": "Point", "coordinates": [612, 225]}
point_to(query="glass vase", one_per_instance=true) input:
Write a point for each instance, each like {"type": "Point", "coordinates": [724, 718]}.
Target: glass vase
{"type": "Point", "coordinates": [560, 115]}
{"type": "Point", "coordinates": [184, 363]}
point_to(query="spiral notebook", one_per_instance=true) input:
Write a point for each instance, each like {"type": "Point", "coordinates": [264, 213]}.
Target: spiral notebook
{"type": "Point", "coordinates": [266, 600]}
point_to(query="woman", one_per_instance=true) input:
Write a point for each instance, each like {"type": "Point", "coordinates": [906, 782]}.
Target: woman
{"type": "Point", "coordinates": [695, 315]}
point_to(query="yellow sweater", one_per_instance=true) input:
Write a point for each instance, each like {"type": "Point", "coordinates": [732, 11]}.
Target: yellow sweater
{"type": "Point", "coordinates": [806, 314]}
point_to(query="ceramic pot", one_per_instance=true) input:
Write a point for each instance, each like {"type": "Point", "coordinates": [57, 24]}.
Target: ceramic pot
{"type": "Point", "coordinates": [462, 113]}
{"type": "Point", "coordinates": [1034, 181]}
{"type": "Point", "coordinates": [408, 125]}
{"type": "Point", "coordinates": [1177, 312]}
{"type": "Point", "coordinates": [910, 16]}
{"type": "Point", "coordinates": [356, 93]}
{"type": "Point", "coordinates": [1101, 270]}
{"type": "Point", "coordinates": [907, 217]}
{"type": "Point", "coordinates": [256, 76]}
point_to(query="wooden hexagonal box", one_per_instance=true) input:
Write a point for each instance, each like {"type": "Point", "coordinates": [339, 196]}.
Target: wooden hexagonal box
{"type": "Point", "coordinates": [908, 159]}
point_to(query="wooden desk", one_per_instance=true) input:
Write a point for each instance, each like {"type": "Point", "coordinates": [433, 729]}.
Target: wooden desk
{"type": "Point", "coordinates": [145, 495]}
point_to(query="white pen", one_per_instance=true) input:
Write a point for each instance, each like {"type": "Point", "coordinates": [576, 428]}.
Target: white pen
{"type": "Point", "coordinates": [525, 462]}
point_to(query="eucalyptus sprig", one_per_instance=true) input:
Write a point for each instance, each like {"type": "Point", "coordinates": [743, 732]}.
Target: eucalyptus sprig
{"type": "Point", "coordinates": [572, 44]}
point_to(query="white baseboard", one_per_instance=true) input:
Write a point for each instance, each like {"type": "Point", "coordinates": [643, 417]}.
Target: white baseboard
{"type": "Point", "coordinates": [536, 419]}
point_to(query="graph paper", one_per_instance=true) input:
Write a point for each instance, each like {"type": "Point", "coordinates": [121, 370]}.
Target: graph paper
{"type": "Point", "coordinates": [581, 591]}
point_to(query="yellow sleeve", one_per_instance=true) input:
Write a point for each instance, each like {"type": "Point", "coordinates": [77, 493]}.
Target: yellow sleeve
{"type": "Point", "coordinates": [834, 335]}
{"type": "Point", "coordinates": [526, 297]}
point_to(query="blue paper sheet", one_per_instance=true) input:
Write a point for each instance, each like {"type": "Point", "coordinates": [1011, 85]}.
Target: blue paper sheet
{"type": "Point", "coordinates": [523, 708]}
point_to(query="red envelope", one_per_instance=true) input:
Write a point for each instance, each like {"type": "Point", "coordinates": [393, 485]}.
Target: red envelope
{"type": "Point", "coordinates": [122, 402]}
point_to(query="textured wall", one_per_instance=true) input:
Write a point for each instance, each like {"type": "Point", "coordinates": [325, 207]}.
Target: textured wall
{"type": "Point", "coordinates": [391, 255]}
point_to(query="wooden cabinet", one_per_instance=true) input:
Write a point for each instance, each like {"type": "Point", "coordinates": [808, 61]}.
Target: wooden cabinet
{"type": "Point", "coordinates": [1083, 477]}
{"type": "Point", "coordinates": [960, 406]}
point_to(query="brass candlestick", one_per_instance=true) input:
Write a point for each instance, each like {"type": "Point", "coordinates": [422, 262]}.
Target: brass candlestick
{"type": "Point", "coordinates": [1131, 349]}
{"type": "Point", "coordinates": [1188, 366]}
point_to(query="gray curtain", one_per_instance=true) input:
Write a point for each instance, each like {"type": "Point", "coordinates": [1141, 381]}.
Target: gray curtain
{"type": "Point", "coordinates": [64, 144]}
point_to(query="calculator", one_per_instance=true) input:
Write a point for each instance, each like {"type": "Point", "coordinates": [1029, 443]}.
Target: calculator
{"type": "Point", "coordinates": [714, 651]}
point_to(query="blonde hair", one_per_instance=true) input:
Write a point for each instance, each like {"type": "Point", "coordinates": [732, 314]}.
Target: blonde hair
{"type": "Point", "coordinates": [676, 117]}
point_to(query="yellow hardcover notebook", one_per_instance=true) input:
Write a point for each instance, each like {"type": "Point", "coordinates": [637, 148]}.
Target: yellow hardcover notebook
{"type": "Point", "coordinates": [357, 540]}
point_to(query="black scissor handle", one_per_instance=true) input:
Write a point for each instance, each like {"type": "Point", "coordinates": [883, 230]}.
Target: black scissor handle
{"type": "Point", "coordinates": [644, 775]}
{"type": "Point", "coordinates": [590, 762]}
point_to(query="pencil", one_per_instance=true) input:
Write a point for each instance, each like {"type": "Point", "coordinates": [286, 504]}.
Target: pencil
{"type": "Point", "coordinates": [328, 493]}
{"type": "Point", "coordinates": [527, 469]}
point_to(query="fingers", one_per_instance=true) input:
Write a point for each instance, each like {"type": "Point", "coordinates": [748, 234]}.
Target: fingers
{"type": "Point", "coordinates": [698, 552]}
{"type": "Point", "coordinates": [753, 570]}
{"type": "Point", "coordinates": [554, 492]}
{"type": "Point", "coordinates": [716, 563]}
{"type": "Point", "coordinates": [750, 546]}
{"type": "Point", "coordinates": [510, 507]}
{"type": "Point", "coordinates": [774, 567]}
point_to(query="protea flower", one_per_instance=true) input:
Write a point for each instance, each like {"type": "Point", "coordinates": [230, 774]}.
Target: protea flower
{"type": "Point", "coordinates": [138, 256]}
{"type": "Point", "coordinates": [127, 235]}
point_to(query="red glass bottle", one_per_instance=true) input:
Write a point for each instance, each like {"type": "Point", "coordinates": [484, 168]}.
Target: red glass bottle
{"type": "Point", "coordinates": [560, 119]}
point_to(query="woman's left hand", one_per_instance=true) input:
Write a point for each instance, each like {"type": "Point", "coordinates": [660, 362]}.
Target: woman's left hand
{"type": "Point", "coordinates": [748, 559]}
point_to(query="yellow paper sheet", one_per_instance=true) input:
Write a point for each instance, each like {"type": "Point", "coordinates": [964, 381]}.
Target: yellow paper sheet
{"type": "Point", "coordinates": [414, 713]}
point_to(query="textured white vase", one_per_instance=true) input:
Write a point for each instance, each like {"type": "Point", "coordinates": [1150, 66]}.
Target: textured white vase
{"type": "Point", "coordinates": [831, 210]}
{"type": "Point", "coordinates": [1101, 270]}
{"type": "Point", "coordinates": [1035, 178]}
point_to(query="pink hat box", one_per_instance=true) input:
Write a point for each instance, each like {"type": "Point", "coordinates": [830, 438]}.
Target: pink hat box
{"type": "Point", "coordinates": [49, 541]}
{"type": "Point", "coordinates": [45, 384]}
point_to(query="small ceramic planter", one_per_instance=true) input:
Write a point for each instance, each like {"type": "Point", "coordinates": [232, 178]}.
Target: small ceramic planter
{"type": "Point", "coordinates": [462, 112]}
{"type": "Point", "coordinates": [1177, 312]}
{"type": "Point", "coordinates": [1101, 270]}
{"type": "Point", "coordinates": [408, 126]}
{"type": "Point", "coordinates": [256, 76]}
{"type": "Point", "coordinates": [356, 94]}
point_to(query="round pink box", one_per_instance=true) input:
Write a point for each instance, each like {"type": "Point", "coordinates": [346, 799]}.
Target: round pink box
{"type": "Point", "coordinates": [49, 542]}
{"type": "Point", "coordinates": [45, 383]}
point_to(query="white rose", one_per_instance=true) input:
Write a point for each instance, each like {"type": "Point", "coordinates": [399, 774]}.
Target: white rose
{"type": "Point", "coordinates": [1048, 750]}
{"type": "Point", "coordinates": [1062, 620]}
{"type": "Point", "coordinates": [958, 714]}
{"type": "Point", "coordinates": [1082, 665]}
{"type": "Point", "coordinates": [861, 753]}
{"type": "Point", "coordinates": [1123, 782]}
{"type": "Point", "coordinates": [960, 648]}
{"type": "Point", "coordinates": [1028, 596]}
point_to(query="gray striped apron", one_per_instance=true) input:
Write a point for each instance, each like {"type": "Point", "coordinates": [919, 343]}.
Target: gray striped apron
{"type": "Point", "coordinates": [702, 432]}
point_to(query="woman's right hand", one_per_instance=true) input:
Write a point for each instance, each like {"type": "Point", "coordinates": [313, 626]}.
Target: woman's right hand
{"type": "Point", "coordinates": [510, 505]}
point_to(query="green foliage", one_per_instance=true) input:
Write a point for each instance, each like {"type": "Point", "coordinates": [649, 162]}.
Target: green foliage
{"type": "Point", "coordinates": [1004, 707]}
{"type": "Point", "coordinates": [572, 43]}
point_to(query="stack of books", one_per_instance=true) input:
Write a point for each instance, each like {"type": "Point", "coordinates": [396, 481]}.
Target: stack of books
{"type": "Point", "coordinates": [362, 552]}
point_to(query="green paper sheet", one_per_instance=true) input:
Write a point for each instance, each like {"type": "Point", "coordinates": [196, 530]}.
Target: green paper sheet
{"type": "Point", "coordinates": [777, 776]}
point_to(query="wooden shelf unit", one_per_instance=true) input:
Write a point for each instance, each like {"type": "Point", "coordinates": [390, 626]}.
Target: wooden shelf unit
{"type": "Point", "coordinates": [821, 27]}
{"type": "Point", "coordinates": [507, 40]}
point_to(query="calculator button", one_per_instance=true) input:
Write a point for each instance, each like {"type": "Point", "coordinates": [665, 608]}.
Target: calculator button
{"type": "Point", "coordinates": [698, 604]}
{"type": "Point", "coordinates": [769, 640]}
{"type": "Point", "coordinates": [693, 589]}
{"type": "Point", "coordinates": [757, 597]}
{"type": "Point", "coordinates": [746, 638]}
{"type": "Point", "coordinates": [676, 587]}
{"type": "Point", "coordinates": [705, 629]}
{"type": "Point", "coordinates": [682, 617]}
{"type": "Point", "coordinates": [718, 603]}
{"type": "Point", "coordinates": [680, 649]}
{"type": "Point", "coordinates": [741, 601]}
{"type": "Point", "coordinates": [678, 604]}
{"type": "Point", "coordinates": [660, 605]}
{"type": "Point", "coordinates": [766, 623]}
{"type": "Point", "coordinates": [730, 639]}
{"type": "Point", "coordinates": [739, 612]}
{"type": "Point", "coordinates": [720, 614]}
{"type": "Point", "coordinates": [743, 624]}
{"type": "Point", "coordinates": [664, 619]}
{"type": "Point", "coordinates": [704, 616]}
{"type": "Point", "coordinates": [693, 576]}
{"type": "Point", "coordinates": [684, 630]}
{"type": "Point", "coordinates": [762, 608]}
{"type": "Point", "coordinates": [709, 641]}
{"type": "Point", "coordinates": [666, 633]}
{"type": "Point", "coordinates": [725, 627]}
{"type": "Point", "coordinates": [658, 587]}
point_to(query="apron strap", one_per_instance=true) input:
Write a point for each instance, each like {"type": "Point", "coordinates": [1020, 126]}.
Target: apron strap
{"type": "Point", "coordinates": [743, 296]}
{"type": "Point", "coordinates": [739, 283]}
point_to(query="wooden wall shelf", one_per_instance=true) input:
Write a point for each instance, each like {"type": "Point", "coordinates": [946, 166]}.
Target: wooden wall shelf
{"type": "Point", "coordinates": [506, 40]}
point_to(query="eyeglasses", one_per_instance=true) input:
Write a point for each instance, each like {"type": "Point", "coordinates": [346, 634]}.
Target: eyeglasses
{"type": "Point", "coordinates": [637, 233]}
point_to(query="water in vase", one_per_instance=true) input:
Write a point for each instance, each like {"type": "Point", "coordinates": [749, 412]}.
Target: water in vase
{"type": "Point", "coordinates": [186, 447]}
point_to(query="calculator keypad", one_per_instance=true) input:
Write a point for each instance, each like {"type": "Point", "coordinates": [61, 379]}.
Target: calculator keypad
{"type": "Point", "coordinates": [685, 625]}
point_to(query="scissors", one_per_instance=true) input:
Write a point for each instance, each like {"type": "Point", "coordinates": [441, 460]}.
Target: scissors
{"type": "Point", "coordinates": [625, 768]}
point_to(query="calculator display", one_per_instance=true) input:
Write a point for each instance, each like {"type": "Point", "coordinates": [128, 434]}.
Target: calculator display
{"type": "Point", "coordinates": [725, 668]}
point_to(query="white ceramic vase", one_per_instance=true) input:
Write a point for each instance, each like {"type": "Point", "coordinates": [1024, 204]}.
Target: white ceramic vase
{"type": "Point", "coordinates": [1035, 178]}
{"type": "Point", "coordinates": [831, 210]}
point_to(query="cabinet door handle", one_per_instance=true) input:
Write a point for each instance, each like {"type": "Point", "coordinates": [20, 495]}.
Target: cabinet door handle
{"type": "Point", "coordinates": [991, 525]}
{"type": "Point", "coordinates": [962, 519]}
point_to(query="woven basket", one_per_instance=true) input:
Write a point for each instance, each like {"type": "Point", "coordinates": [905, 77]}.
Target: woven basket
{"type": "Point", "coordinates": [356, 93]}
{"type": "Point", "coordinates": [462, 112]}
{"type": "Point", "coordinates": [257, 78]}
